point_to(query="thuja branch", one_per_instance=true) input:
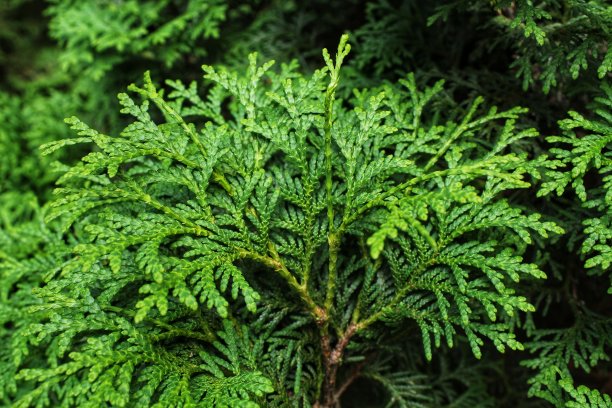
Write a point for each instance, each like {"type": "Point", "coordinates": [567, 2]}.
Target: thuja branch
{"type": "Point", "coordinates": [208, 335]}
{"type": "Point", "coordinates": [482, 168]}
{"type": "Point", "coordinates": [175, 242]}
{"type": "Point", "coordinates": [399, 296]}
{"type": "Point", "coordinates": [276, 263]}
{"type": "Point", "coordinates": [150, 92]}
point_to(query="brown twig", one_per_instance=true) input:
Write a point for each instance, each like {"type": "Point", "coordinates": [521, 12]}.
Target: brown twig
{"type": "Point", "coordinates": [332, 359]}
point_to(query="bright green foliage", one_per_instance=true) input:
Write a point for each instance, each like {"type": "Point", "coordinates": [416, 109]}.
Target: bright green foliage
{"type": "Point", "coordinates": [224, 234]}
{"type": "Point", "coordinates": [99, 35]}
{"type": "Point", "coordinates": [101, 370]}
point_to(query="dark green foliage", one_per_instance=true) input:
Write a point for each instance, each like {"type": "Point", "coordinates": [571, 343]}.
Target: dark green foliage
{"type": "Point", "coordinates": [390, 230]}
{"type": "Point", "coordinates": [28, 251]}
{"type": "Point", "coordinates": [582, 149]}
{"type": "Point", "coordinates": [584, 345]}
{"type": "Point", "coordinates": [554, 41]}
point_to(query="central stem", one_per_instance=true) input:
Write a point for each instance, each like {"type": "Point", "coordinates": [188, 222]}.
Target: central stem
{"type": "Point", "coordinates": [330, 94]}
{"type": "Point", "coordinates": [333, 247]}
{"type": "Point", "coordinates": [332, 359]}
{"type": "Point", "coordinates": [332, 356]}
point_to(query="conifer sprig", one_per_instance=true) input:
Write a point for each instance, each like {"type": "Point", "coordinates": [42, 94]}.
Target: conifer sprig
{"type": "Point", "coordinates": [218, 228]}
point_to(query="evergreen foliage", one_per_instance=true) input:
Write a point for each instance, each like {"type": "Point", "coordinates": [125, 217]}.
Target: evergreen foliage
{"type": "Point", "coordinates": [382, 227]}
{"type": "Point", "coordinates": [99, 35]}
{"type": "Point", "coordinates": [178, 224]}
{"type": "Point", "coordinates": [554, 40]}
{"type": "Point", "coordinates": [580, 150]}
{"type": "Point", "coordinates": [584, 148]}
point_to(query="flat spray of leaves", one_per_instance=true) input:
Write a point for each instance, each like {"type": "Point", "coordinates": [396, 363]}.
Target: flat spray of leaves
{"type": "Point", "coordinates": [237, 242]}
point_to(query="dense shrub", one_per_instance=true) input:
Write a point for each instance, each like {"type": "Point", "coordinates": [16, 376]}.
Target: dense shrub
{"type": "Point", "coordinates": [423, 221]}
